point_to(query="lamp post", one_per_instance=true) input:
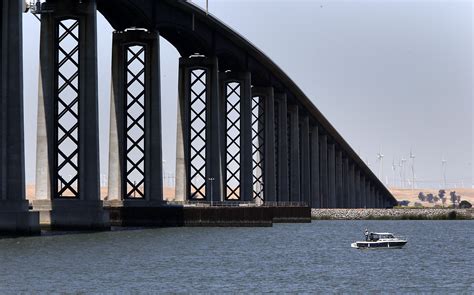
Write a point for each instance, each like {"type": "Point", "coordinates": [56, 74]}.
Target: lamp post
{"type": "Point", "coordinates": [211, 179]}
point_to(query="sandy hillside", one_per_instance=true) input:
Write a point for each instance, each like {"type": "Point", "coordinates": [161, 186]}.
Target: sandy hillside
{"type": "Point", "coordinates": [400, 194]}
{"type": "Point", "coordinates": [412, 195]}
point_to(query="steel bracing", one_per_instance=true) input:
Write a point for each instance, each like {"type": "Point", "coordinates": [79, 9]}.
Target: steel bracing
{"type": "Point", "coordinates": [258, 147]}
{"type": "Point", "coordinates": [135, 121]}
{"type": "Point", "coordinates": [67, 109]}
{"type": "Point", "coordinates": [233, 139]}
{"type": "Point", "coordinates": [198, 134]}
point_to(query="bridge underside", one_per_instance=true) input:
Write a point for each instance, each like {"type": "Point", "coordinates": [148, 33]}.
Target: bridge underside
{"type": "Point", "coordinates": [245, 131]}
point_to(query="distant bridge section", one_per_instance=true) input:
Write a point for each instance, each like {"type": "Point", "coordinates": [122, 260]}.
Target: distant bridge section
{"type": "Point", "coordinates": [246, 132]}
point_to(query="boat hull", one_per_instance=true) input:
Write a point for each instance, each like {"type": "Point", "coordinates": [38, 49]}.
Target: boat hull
{"type": "Point", "coordinates": [379, 245]}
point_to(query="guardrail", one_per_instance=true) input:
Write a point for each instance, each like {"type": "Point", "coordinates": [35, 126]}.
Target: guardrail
{"type": "Point", "coordinates": [235, 204]}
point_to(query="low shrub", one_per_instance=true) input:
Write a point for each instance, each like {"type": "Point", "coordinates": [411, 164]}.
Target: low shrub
{"type": "Point", "coordinates": [465, 205]}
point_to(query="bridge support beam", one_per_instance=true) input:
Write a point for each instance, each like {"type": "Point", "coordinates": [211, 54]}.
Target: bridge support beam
{"type": "Point", "coordinates": [135, 150]}
{"type": "Point", "coordinates": [339, 180]}
{"type": "Point", "coordinates": [346, 182]}
{"type": "Point", "coordinates": [293, 121]}
{"type": "Point", "coordinates": [357, 189]}
{"type": "Point", "coordinates": [314, 151]}
{"type": "Point", "coordinates": [363, 187]}
{"type": "Point", "coordinates": [236, 104]}
{"type": "Point", "coordinates": [323, 171]}
{"type": "Point", "coordinates": [283, 192]}
{"type": "Point", "coordinates": [305, 161]}
{"type": "Point", "coordinates": [352, 186]}
{"type": "Point", "coordinates": [371, 201]}
{"type": "Point", "coordinates": [370, 194]}
{"type": "Point", "coordinates": [199, 175]}
{"type": "Point", "coordinates": [332, 175]}
{"type": "Point", "coordinates": [14, 216]}
{"type": "Point", "coordinates": [266, 105]}
{"type": "Point", "coordinates": [67, 163]}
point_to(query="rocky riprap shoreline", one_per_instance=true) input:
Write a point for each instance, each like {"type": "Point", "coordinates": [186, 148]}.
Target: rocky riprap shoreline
{"type": "Point", "coordinates": [422, 214]}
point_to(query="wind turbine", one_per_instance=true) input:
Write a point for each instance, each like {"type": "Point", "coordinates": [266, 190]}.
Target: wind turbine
{"type": "Point", "coordinates": [412, 157]}
{"type": "Point", "coordinates": [402, 171]}
{"type": "Point", "coordinates": [444, 164]}
{"type": "Point", "coordinates": [394, 168]}
{"type": "Point", "coordinates": [380, 159]}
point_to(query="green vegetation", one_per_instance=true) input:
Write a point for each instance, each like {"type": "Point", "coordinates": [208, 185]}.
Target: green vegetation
{"type": "Point", "coordinates": [465, 205]}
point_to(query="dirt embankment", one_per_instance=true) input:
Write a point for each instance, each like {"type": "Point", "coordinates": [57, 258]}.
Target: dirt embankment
{"type": "Point", "coordinates": [412, 195]}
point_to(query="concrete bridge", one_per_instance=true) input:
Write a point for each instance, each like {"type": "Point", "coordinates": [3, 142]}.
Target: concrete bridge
{"type": "Point", "coordinates": [246, 132]}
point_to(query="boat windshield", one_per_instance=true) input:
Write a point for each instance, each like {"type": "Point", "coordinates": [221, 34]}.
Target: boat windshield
{"type": "Point", "coordinates": [373, 237]}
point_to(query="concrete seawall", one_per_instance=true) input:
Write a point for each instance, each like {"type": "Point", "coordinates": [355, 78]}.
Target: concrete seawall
{"type": "Point", "coordinates": [355, 214]}
{"type": "Point", "coordinates": [171, 216]}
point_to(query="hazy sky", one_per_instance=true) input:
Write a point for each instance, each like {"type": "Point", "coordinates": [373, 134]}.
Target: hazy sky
{"type": "Point", "coordinates": [389, 75]}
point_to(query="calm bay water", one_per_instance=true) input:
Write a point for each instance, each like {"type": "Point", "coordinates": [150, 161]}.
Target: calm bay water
{"type": "Point", "coordinates": [312, 257]}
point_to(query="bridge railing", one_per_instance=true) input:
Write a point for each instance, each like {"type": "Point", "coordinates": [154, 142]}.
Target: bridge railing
{"type": "Point", "coordinates": [235, 204]}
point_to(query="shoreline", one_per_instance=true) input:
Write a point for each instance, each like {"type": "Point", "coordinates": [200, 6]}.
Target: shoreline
{"type": "Point", "coordinates": [393, 214]}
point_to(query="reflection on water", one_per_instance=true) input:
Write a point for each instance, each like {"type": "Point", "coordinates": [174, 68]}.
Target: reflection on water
{"type": "Point", "coordinates": [313, 257]}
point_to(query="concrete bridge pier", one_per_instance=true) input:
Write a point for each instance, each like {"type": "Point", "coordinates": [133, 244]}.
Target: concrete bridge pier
{"type": "Point", "coordinates": [323, 171]}
{"type": "Point", "coordinates": [357, 188]}
{"type": "Point", "coordinates": [15, 219]}
{"type": "Point", "coordinates": [351, 185]}
{"type": "Point", "coordinates": [294, 144]}
{"type": "Point", "coordinates": [236, 136]}
{"type": "Point", "coordinates": [67, 163]}
{"type": "Point", "coordinates": [369, 194]}
{"type": "Point", "coordinates": [339, 180]}
{"type": "Point", "coordinates": [282, 147]}
{"type": "Point", "coordinates": [346, 183]}
{"type": "Point", "coordinates": [264, 100]}
{"type": "Point", "coordinates": [305, 160]}
{"type": "Point", "coordinates": [135, 149]}
{"type": "Point", "coordinates": [314, 167]}
{"type": "Point", "coordinates": [198, 147]}
{"type": "Point", "coordinates": [332, 175]}
{"type": "Point", "coordinates": [363, 196]}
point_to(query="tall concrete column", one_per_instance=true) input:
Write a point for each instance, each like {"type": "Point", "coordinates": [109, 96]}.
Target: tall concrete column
{"type": "Point", "coordinates": [79, 206]}
{"type": "Point", "coordinates": [370, 199]}
{"type": "Point", "coordinates": [305, 161]}
{"type": "Point", "coordinates": [372, 196]}
{"type": "Point", "coordinates": [352, 186]}
{"type": "Point", "coordinates": [14, 215]}
{"type": "Point", "coordinates": [376, 202]}
{"type": "Point", "coordinates": [135, 52]}
{"type": "Point", "coordinates": [347, 182]}
{"type": "Point", "coordinates": [332, 175]}
{"type": "Point", "coordinates": [339, 181]}
{"type": "Point", "coordinates": [357, 189]}
{"type": "Point", "coordinates": [295, 189]}
{"type": "Point", "coordinates": [245, 137]}
{"type": "Point", "coordinates": [282, 147]}
{"type": "Point", "coordinates": [323, 171]}
{"type": "Point", "coordinates": [202, 73]}
{"type": "Point", "coordinates": [376, 197]}
{"type": "Point", "coordinates": [363, 192]}
{"type": "Point", "coordinates": [269, 173]}
{"type": "Point", "coordinates": [314, 151]}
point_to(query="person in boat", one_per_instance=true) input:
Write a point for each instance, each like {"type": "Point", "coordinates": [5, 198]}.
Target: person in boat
{"type": "Point", "coordinates": [366, 233]}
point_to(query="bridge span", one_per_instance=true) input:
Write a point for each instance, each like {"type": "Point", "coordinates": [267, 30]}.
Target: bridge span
{"type": "Point", "coordinates": [245, 131]}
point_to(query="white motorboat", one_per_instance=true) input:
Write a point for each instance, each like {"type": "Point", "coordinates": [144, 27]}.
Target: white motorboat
{"type": "Point", "coordinates": [380, 240]}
